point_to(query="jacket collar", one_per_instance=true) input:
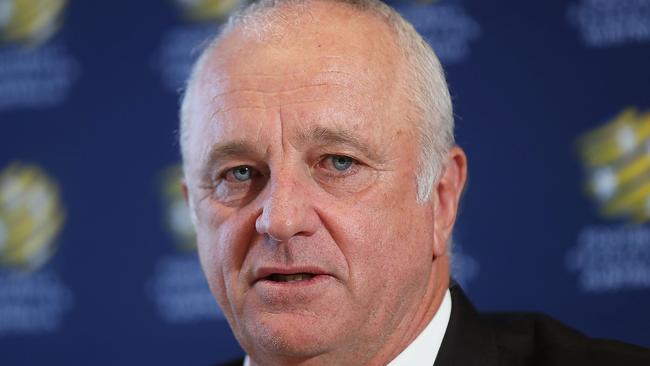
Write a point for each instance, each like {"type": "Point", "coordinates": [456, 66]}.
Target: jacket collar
{"type": "Point", "coordinates": [468, 340]}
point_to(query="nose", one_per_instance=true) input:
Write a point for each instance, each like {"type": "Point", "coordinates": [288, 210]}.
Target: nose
{"type": "Point", "coordinates": [287, 210]}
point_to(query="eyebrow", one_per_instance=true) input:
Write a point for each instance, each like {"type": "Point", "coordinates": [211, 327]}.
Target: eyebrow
{"type": "Point", "coordinates": [224, 151]}
{"type": "Point", "coordinates": [229, 149]}
{"type": "Point", "coordinates": [329, 136]}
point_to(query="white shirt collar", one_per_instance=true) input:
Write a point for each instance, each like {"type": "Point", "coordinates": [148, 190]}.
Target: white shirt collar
{"type": "Point", "coordinates": [424, 348]}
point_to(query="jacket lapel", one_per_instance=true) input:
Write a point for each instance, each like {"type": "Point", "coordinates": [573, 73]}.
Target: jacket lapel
{"type": "Point", "coordinates": [467, 341]}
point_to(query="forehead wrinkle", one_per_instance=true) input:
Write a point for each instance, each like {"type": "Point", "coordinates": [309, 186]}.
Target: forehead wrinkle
{"type": "Point", "coordinates": [260, 94]}
{"type": "Point", "coordinates": [268, 83]}
{"type": "Point", "coordinates": [214, 114]}
{"type": "Point", "coordinates": [270, 98]}
{"type": "Point", "coordinates": [262, 91]}
{"type": "Point", "coordinates": [275, 76]}
{"type": "Point", "coordinates": [222, 72]}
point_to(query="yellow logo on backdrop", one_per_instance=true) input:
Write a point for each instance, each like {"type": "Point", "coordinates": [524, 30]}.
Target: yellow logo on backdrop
{"type": "Point", "coordinates": [199, 10]}
{"type": "Point", "coordinates": [177, 218]}
{"type": "Point", "coordinates": [31, 216]}
{"type": "Point", "coordinates": [29, 21]}
{"type": "Point", "coordinates": [617, 157]}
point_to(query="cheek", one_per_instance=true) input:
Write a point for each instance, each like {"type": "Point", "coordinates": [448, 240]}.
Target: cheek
{"type": "Point", "coordinates": [223, 239]}
{"type": "Point", "coordinates": [388, 244]}
{"type": "Point", "coordinates": [388, 265]}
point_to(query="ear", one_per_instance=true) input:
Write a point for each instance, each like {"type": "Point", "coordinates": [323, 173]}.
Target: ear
{"type": "Point", "coordinates": [186, 197]}
{"type": "Point", "coordinates": [447, 193]}
{"type": "Point", "coordinates": [184, 191]}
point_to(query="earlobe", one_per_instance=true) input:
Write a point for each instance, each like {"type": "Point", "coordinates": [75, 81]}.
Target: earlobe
{"type": "Point", "coordinates": [184, 191]}
{"type": "Point", "coordinates": [447, 197]}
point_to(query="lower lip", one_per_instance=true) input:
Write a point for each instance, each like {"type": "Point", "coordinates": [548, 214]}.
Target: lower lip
{"type": "Point", "coordinates": [305, 288]}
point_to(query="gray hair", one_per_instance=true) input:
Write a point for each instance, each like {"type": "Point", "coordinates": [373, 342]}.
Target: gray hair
{"type": "Point", "coordinates": [427, 87]}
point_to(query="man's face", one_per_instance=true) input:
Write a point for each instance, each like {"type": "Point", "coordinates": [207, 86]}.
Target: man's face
{"type": "Point", "coordinates": [301, 171]}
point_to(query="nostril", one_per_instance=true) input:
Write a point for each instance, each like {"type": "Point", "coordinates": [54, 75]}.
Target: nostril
{"type": "Point", "coordinates": [273, 238]}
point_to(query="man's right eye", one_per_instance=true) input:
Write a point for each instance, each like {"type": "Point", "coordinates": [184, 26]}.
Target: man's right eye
{"type": "Point", "coordinates": [236, 186]}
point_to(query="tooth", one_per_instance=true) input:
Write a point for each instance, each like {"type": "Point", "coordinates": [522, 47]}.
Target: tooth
{"type": "Point", "coordinates": [290, 277]}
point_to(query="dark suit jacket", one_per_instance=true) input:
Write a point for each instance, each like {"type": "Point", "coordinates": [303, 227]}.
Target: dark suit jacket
{"type": "Point", "coordinates": [522, 339]}
{"type": "Point", "coordinates": [507, 339]}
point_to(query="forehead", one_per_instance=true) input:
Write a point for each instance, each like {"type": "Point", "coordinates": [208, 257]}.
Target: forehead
{"type": "Point", "coordinates": [323, 42]}
{"type": "Point", "coordinates": [331, 63]}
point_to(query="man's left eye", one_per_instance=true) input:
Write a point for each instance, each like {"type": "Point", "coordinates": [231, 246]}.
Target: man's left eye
{"type": "Point", "coordinates": [242, 173]}
{"type": "Point", "coordinates": [341, 162]}
{"type": "Point", "coordinates": [341, 174]}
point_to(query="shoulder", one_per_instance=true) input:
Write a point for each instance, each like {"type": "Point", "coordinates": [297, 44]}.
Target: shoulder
{"type": "Point", "coordinates": [499, 339]}
{"type": "Point", "coordinates": [538, 339]}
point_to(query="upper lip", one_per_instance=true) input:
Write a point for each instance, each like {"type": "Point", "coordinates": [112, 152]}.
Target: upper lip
{"type": "Point", "coordinates": [263, 272]}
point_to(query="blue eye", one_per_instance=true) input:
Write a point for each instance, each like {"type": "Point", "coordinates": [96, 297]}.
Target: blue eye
{"type": "Point", "coordinates": [242, 173]}
{"type": "Point", "coordinates": [341, 163]}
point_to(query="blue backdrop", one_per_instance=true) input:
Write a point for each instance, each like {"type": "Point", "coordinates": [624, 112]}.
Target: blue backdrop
{"type": "Point", "coordinates": [97, 263]}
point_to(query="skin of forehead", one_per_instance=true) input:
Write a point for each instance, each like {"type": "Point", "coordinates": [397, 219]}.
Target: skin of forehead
{"type": "Point", "coordinates": [311, 29]}
{"type": "Point", "coordinates": [330, 45]}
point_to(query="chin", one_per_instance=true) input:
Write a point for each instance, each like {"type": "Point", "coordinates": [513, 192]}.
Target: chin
{"type": "Point", "coordinates": [289, 335]}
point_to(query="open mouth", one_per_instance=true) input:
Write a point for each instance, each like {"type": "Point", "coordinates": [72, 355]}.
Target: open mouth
{"type": "Point", "coordinates": [295, 277]}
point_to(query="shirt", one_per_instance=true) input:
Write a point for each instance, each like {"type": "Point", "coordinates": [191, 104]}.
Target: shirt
{"type": "Point", "coordinates": [424, 348]}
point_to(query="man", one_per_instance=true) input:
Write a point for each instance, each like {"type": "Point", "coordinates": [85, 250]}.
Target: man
{"type": "Point", "coordinates": [323, 180]}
